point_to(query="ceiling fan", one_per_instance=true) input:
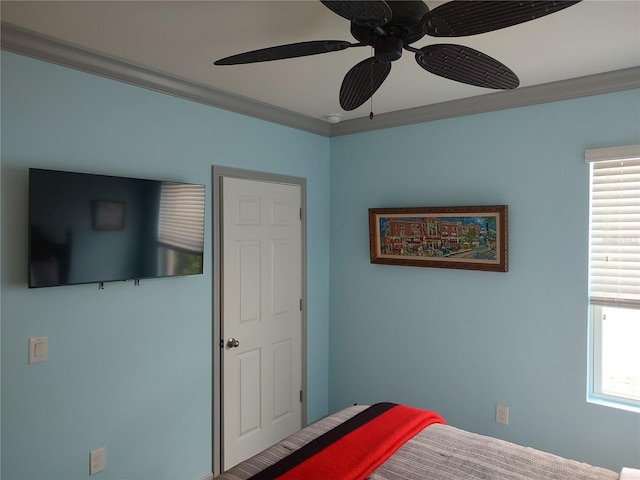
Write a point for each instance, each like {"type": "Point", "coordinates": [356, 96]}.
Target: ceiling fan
{"type": "Point", "coordinates": [389, 27]}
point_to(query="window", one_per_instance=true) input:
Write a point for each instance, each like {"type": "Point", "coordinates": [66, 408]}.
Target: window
{"type": "Point", "coordinates": [614, 276]}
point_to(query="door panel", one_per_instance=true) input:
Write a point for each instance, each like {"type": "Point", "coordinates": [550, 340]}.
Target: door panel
{"type": "Point", "coordinates": [282, 276]}
{"type": "Point", "coordinates": [282, 378]}
{"type": "Point", "coordinates": [248, 285]}
{"type": "Point", "coordinates": [249, 366]}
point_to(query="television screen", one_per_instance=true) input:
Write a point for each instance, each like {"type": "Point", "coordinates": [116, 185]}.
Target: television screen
{"type": "Point", "coordinates": [86, 228]}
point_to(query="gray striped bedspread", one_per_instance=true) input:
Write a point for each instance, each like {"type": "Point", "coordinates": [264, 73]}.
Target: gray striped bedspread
{"type": "Point", "coordinates": [439, 452]}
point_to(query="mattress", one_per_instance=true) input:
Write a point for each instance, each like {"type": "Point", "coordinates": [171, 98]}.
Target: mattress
{"type": "Point", "coordinates": [439, 452]}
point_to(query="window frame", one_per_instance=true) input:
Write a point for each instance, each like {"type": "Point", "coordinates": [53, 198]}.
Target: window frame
{"type": "Point", "coordinates": [595, 392]}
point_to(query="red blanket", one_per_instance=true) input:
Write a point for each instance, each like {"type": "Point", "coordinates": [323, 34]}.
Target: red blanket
{"type": "Point", "coordinates": [355, 448]}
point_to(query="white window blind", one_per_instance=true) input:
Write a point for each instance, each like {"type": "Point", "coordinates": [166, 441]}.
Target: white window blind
{"type": "Point", "coordinates": [614, 260]}
{"type": "Point", "coordinates": [181, 220]}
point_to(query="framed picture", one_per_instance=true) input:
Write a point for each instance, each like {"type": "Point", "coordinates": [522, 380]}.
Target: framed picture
{"type": "Point", "coordinates": [108, 216]}
{"type": "Point", "coordinates": [471, 238]}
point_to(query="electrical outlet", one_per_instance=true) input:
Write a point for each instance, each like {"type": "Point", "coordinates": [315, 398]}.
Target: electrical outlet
{"type": "Point", "coordinates": [97, 460]}
{"type": "Point", "coordinates": [502, 414]}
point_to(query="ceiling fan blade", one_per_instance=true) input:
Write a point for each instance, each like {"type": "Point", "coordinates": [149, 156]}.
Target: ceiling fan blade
{"type": "Point", "coordinates": [291, 50]}
{"type": "Point", "coordinates": [471, 17]}
{"type": "Point", "coordinates": [369, 14]}
{"type": "Point", "coordinates": [466, 65]}
{"type": "Point", "coordinates": [361, 82]}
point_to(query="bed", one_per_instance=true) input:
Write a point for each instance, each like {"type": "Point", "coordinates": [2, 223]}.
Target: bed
{"type": "Point", "coordinates": [436, 452]}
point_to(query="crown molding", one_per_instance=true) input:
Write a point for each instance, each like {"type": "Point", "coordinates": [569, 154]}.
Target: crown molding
{"type": "Point", "coordinates": [608, 82]}
{"type": "Point", "coordinates": [27, 43]}
{"type": "Point", "coordinates": [24, 42]}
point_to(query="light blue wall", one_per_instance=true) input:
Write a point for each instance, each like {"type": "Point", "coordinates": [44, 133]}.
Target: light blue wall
{"type": "Point", "coordinates": [459, 342]}
{"type": "Point", "coordinates": [129, 367]}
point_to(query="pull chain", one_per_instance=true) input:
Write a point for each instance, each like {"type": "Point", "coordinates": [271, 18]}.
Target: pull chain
{"type": "Point", "coordinates": [371, 87]}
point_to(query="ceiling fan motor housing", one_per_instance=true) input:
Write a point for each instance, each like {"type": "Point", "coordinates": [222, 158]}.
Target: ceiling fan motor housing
{"type": "Point", "coordinates": [404, 28]}
{"type": "Point", "coordinates": [387, 49]}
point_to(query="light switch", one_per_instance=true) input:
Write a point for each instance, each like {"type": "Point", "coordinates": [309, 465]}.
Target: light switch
{"type": "Point", "coordinates": [38, 349]}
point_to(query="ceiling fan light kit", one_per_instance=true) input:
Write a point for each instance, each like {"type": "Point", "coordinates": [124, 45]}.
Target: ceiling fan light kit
{"type": "Point", "coordinates": [391, 27]}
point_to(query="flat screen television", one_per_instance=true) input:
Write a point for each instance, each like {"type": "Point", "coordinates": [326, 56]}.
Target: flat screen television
{"type": "Point", "coordinates": [86, 228]}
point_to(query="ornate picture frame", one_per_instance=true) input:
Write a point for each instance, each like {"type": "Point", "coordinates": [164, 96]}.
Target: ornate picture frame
{"type": "Point", "coordinates": [466, 237]}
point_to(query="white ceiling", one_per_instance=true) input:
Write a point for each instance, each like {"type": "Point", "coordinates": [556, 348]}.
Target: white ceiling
{"type": "Point", "coordinates": [183, 38]}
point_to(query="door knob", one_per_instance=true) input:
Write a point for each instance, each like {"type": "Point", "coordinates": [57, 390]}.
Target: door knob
{"type": "Point", "coordinates": [232, 343]}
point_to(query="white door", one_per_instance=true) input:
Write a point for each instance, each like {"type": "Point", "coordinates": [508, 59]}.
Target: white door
{"type": "Point", "coordinates": [261, 315]}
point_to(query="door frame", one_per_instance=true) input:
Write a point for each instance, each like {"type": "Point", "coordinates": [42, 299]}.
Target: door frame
{"type": "Point", "coordinates": [218, 173]}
